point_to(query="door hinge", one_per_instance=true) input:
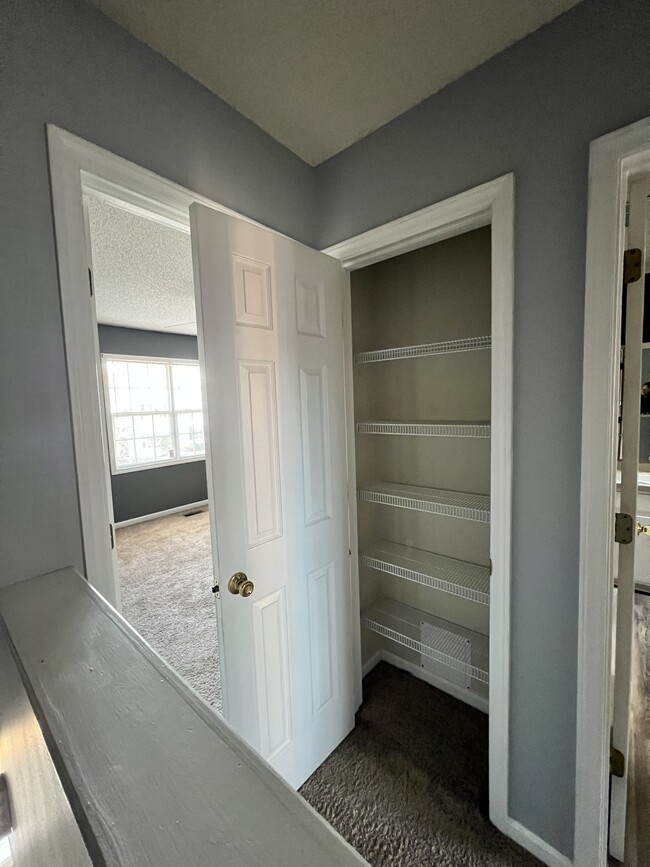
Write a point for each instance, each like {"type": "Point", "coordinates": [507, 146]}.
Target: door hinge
{"type": "Point", "coordinates": [623, 528]}
{"type": "Point", "coordinates": [616, 762]}
{"type": "Point", "coordinates": [112, 535]}
{"type": "Point", "coordinates": [5, 808]}
{"type": "Point", "coordinates": [632, 265]}
{"type": "Point", "coordinates": [90, 282]}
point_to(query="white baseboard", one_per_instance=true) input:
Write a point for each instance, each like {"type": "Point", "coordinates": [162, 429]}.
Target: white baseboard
{"type": "Point", "coordinates": [190, 507]}
{"type": "Point", "coordinates": [370, 663]}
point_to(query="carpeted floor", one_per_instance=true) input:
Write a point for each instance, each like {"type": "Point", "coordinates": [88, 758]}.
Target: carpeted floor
{"type": "Point", "coordinates": [408, 786]}
{"type": "Point", "coordinates": [637, 843]}
{"type": "Point", "coordinates": [166, 579]}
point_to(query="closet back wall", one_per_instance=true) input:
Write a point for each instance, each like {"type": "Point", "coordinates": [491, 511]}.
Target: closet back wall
{"type": "Point", "coordinates": [144, 492]}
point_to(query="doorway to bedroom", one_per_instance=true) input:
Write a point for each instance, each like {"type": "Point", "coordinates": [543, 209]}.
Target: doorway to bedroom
{"type": "Point", "coordinates": [155, 439]}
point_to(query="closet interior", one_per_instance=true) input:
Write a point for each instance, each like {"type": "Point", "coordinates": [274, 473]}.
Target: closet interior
{"type": "Point", "coordinates": [421, 324]}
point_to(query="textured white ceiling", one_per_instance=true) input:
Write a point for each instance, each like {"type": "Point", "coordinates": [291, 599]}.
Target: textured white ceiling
{"type": "Point", "coordinates": [319, 75]}
{"type": "Point", "coordinates": [142, 271]}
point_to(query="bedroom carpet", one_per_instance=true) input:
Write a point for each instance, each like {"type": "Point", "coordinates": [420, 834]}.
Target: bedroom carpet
{"type": "Point", "coordinates": [408, 786]}
{"type": "Point", "coordinates": [637, 843]}
{"type": "Point", "coordinates": [165, 570]}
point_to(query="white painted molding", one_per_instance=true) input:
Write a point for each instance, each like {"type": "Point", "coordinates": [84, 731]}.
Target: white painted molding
{"type": "Point", "coordinates": [613, 159]}
{"type": "Point", "coordinates": [489, 204]}
{"type": "Point", "coordinates": [191, 507]}
{"type": "Point", "coordinates": [369, 664]}
{"type": "Point", "coordinates": [468, 210]}
{"type": "Point", "coordinates": [78, 168]}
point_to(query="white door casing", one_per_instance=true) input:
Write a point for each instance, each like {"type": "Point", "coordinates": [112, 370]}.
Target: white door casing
{"type": "Point", "coordinates": [104, 421]}
{"type": "Point", "coordinates": [626, 552]}
{"type": "Point", "coordinates": [271, 344]}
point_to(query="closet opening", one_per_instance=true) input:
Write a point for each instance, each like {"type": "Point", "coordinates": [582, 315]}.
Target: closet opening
{"type": "Point", "coordinates": [421, 325]}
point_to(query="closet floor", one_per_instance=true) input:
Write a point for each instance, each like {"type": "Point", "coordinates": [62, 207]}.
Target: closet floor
{"type": "Point", "coordinates": [409, 785]}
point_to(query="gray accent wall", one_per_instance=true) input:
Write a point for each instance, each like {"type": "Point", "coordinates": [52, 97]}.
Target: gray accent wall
{"type": "Point", "coordinates": [144, 492]}
{"type": "Point", "coordinates": [63, 62]}
{"type": "Point", "coordinates": [533, 110]}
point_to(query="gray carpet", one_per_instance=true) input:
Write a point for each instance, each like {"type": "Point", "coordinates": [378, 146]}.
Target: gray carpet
{"type": "Point", "coordinates": [637, 841]}
{"type": "Point", "coordinates": [409, 785]}
{"type": "Point", "coordinates": [165, 571]}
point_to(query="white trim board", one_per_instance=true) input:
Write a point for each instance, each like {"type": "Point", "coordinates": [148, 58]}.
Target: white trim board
{"type": "Point", "coordinates": [164, 514]}
{"type": "Point", "coordinates": [613, 159]}
{"type": "Point", "coordinates": [78, 168]}
{"type": "Point", "coordinates": [489, 204]}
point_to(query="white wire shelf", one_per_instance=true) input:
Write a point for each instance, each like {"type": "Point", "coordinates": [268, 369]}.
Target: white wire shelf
{"type": "Point", "coordinates": [453, 504]}
{"type": "Point", "coordinates": [467, 344]}
{"type": "Point", "coordinates": [460, 649]}
{"type": "Point", "coordinates": [467, 580]}
{"type": "Point", "coordinates": [473, 430]}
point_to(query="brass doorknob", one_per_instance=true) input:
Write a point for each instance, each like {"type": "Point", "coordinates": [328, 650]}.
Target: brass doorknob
{"type": "Point", "coordinates": [240, 585]}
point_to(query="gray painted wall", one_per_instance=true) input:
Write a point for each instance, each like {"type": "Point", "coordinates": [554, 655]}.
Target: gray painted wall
{"type": "Point", "coordinates": [144, 492]}
{"type": "Point", "coordinates": [532, 110]}
{"type": "Point", "coordinates": [63, 62]}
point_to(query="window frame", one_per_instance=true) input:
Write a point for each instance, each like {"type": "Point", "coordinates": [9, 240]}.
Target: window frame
{"type": "Point", "coordinates": [172, 411]}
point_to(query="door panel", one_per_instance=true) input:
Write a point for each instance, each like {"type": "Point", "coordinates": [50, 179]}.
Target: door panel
{"type": "Point", "coordinates": [272, 673]}
{"type": "Point", "coordinates": [628, 500]}
{"type": "Point", "coordinates": [315, 443]}
{"type": "Point", "coordinates": [270, 335]}
{"type": "Point", "coordinates": [323, 663]}
{"type": "Point", "coordinates": [259, 415]}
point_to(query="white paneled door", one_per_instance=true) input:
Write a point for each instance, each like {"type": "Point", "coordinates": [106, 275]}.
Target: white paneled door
{"type": "Point", "coordinates": [270, 335]}
{"type": "Point", "coordinates": [632, 377]}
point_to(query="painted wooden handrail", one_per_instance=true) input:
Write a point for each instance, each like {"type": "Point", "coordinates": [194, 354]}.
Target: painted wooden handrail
{"type": "Point", "coordinates": [154, 776]}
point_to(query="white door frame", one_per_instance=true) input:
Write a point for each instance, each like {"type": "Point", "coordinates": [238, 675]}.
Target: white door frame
{"type": "Point", "coordinates": [490, 204]}
{"type": "Point", "coordinates": [77, 166]}
{"type": "Point", "coordinates": [612, 160]}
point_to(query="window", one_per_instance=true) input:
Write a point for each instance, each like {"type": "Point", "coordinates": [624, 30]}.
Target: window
{"type": "Point", "coordinates": [154, 411]}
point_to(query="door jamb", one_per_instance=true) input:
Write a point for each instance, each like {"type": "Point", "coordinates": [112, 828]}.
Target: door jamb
{"type": "Point", "coordinates": [613, 158]}
{"type": "Point", "coordinates": [489, 204]}
{"type": "Point", "coordinates": [77, 166]}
